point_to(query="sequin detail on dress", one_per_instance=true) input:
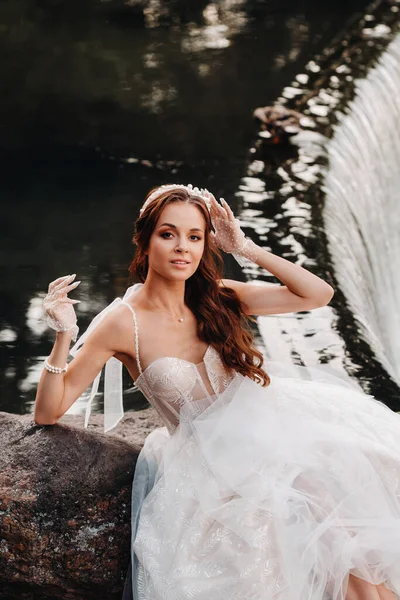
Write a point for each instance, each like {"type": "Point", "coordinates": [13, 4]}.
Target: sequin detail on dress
{"type": "Point", "coordinates": [252, 493]}
{"type": "Point", "coordinates": [169, 382]}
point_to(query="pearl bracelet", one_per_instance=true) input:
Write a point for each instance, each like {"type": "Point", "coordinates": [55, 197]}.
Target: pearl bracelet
{"type": "Point", "coordinates": [57, 370]}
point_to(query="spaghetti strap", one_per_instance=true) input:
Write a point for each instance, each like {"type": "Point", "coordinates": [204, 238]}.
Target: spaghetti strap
{"type": "Point", "coordinates": [136, 335]}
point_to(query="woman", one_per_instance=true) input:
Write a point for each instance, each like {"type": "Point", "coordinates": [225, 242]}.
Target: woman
{"type": "Point", "coordinates": [259, 486]}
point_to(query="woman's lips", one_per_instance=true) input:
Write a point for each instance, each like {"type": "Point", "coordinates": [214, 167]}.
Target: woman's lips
{"type": "Point", "coordinates": [180, 264]}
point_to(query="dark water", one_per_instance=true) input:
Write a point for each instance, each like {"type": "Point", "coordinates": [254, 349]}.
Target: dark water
{"type": "Point", "coordinates": [102, 105]}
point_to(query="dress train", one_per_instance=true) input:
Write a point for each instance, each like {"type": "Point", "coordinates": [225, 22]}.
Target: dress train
{"type": "Point", "coordinates": [276, 493]}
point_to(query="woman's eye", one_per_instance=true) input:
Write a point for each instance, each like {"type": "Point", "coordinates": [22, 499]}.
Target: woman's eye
{"type": "Point", "coordinates": [168, 233]}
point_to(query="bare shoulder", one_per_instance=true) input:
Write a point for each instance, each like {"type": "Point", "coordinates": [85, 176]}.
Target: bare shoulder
{"type": "Point", "coordinates": [115, 332]}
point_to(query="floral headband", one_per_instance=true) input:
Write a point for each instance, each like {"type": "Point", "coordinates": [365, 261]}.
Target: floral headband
{"type": "Point", "coordinates": [174, 186]}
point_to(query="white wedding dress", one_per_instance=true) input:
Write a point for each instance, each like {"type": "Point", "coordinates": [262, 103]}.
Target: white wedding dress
{"type": "Point", "coordinates": [252, 493]}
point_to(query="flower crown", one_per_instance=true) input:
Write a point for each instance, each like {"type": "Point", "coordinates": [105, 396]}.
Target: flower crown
{"type": "Point", "coordinates": [173, 186]}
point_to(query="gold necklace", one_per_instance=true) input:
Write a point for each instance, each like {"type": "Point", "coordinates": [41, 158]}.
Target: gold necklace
{"type": "Point", "coordinates": [181, 320]}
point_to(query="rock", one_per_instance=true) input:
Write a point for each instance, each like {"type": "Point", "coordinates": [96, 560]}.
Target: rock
{"type": "Point", "coordinates": [65, 498]}
{"type": "Point", "coordinates": [277, 122]}
{"type": "Point", "coordinates": [133, 428]}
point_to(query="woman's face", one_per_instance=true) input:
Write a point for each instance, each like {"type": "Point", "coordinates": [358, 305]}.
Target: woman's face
{"type": "Point", "coordinates": [178, 236]}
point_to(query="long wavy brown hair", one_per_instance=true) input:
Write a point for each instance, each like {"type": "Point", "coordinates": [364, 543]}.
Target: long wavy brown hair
{"type": "Point", "coordinates": [221, 320]}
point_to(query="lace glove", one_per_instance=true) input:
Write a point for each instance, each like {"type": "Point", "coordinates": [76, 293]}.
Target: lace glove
{"type": "Point", "coordinates": [59, 308]}
{"type": "Point", "coordinates": [228, 235]}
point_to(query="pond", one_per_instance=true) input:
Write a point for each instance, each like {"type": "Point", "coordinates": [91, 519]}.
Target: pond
{"type": "Point", "coordinates": [103, 104]}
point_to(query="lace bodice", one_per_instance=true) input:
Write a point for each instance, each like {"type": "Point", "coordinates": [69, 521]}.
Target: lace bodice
{"type": "Point", "coordinates": [168, 382]}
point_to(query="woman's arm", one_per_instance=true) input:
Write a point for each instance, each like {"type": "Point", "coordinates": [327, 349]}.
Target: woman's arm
{"type": "Point", "coordinates": [56, 393]}
{"type": "Point", "coordinates": [301, 290]}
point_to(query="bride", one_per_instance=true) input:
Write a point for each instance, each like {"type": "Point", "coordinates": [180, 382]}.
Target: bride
{"type": "Point", "coordinates": [261, 485]}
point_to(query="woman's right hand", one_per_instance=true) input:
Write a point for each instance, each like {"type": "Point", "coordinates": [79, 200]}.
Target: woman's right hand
{"type": "Point", "coordinates": [59, 308]}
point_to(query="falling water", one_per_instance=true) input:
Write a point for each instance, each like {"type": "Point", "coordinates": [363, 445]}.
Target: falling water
{"type": "Point", "coordinates": [362, 210]}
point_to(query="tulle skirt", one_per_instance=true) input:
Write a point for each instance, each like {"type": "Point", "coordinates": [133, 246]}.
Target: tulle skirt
{"type": "Point", "coordinates": [274, 493]}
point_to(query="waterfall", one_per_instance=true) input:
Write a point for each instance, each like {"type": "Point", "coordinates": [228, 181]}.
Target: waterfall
{"type": "Point", "coordinates": [362, 207]}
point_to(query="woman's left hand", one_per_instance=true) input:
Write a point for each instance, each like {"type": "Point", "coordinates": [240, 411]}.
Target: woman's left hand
{"type": "Point", "coordinates": [228, 236]}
